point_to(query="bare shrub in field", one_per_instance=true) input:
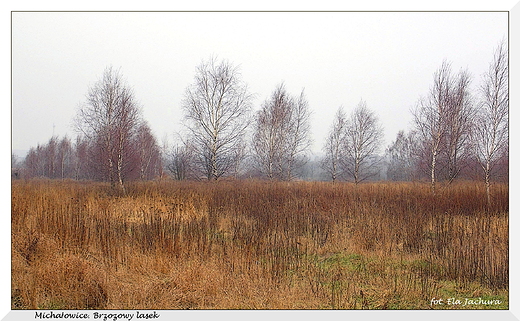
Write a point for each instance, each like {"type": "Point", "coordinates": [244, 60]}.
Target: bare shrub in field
{"type": "Point", "coordinates": [255, 244]}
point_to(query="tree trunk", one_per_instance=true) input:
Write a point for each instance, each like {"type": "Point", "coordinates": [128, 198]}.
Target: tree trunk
{"type": "Point", "coordinates": [488, 184]}
{"type": "Point", "coordinates": [120, 173]}
{"type": "Point", "coordinates": [434, 162]}
{"type": "Point", "coordinates": [111, 172]}
{"type": "Point", "coordinates": [334, 169]}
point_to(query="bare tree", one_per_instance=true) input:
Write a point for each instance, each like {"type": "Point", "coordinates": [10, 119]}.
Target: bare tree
{"type": "Point", "coordinates": [147, 152]}
{"type": "Point", "coordinates": [430, 118]}
{"type": "Point", "coordinates": [180, 161]}
{"type": "Point", "coordinates": [82, 163]}
{"type": "Point", "coordinates": [298, 137]}
{"type": "Point", "coordinates": [41, 161]}
{"type": "Point", "coordinates": [460, 115]}
{"type": "Point", "coordinates": [32, 163]}
{"type": "Point", "coordinates": [64, 157]}
{"type": "Point", "coordinates": [110, 117]}
{"type": "Point", "coordinates": [270, 132]}
{"type": "Point", "coordinates": [217, 107]}
{"type": "Point", "coordinates": [402, 157]}
{"type": "Point", "coordinates": [50, 151]}
{"type": "Point", "coordinates": [334, 151]}
{"type": "Point", "coordinates": [363, 139]}
{"type": "Point", "coordinates": [281, 134]}
{"type": "Point", "coordinates": [444, 120]}
{"type": "Point", "coordinates": [240, 156]}
{"type": "Point", "coordinates": [491, 130]}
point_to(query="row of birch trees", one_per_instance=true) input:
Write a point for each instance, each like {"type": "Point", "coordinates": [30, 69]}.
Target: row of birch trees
{"type": "Point", "coordinates": [223, 137]}
{"type": "Point", "coordinates": [455, 129]}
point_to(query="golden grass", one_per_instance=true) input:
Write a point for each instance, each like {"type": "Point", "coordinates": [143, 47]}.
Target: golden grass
{"type": "Point", "coordinates": [256, 245]}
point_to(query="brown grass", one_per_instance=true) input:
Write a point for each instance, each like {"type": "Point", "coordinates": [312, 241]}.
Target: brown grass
{"type": "Point", "coordinates": [256, 245]}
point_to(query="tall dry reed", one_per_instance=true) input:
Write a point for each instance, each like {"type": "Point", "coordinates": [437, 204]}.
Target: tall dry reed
{"type": "Point", "coordinates": [255, 244]}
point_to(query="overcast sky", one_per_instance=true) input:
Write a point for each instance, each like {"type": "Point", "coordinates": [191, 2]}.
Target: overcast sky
{"type": "Point", "coordinates": [338, 58]}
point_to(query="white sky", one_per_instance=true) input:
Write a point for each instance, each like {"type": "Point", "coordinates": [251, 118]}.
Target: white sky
{"type": "Point", "coordinates": [385, 58]}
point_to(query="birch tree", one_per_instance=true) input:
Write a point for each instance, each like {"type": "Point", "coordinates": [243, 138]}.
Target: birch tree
{"type": "Point", "coordinates": [65, 158]}
{"type": "Point", "coordinates": [402, 156]}
{"type": "Point", "coordinates": [148, 153]}
{"type": "Point", "coordinates": [216, 108]}
{"type": "Point", "coordinates": [281, 134]}
{"type": "Point", "coordinates": [491, 130]}
{"type": "Point", "coordinates": [444, 121]}
{"type": "Point", "coordinates": [110, 117]}
{"type": "Point", "coordinates": [333, 148]}
{"type": "Point", "coordinates": [363, 139]}
{"type": "Point", "coordinates": [460, 116]}
{"type": "Point", "coordinates": [430, 118]}
{"type": "Point", "coordinates": [82, 162]}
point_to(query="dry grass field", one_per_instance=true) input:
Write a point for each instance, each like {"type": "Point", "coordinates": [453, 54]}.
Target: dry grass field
{"type": "Point", "coordinates": [258, 245]}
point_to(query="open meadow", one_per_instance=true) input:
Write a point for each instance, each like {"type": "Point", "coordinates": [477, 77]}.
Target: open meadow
{"type": "Point", "coordinates": [258, 245]}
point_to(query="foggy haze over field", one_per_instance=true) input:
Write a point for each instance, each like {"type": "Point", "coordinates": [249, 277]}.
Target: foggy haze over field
{"type": "Point", "coordinates": [386, 59]}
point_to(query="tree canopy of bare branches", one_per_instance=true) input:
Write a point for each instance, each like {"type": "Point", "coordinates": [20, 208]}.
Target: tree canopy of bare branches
{"type": "Point", "coordinates": [362, 141]}
{"type": "Point", "coordinates": [460, 120]}
{"type": "Point", "coordinates": [180, 160]}
{"type": "Point", "coordinates": [333, 148]}
{"type": "Point", "coordinates": [444, 121]}
{"type": "Point", "coordinates": [492, 126]}
{"type": "Point", "coordinates": [53, 159]}
{"type": "Point", "coordinates": [110, 118]}
{"type": "Point", "coordinates": [217, 107]}
{"type": "Point", "coordinates": [457, 133]}
{"type": "Point", "coordinates": [281, 134]}
{"type": "Point", "coordinates": [402, 157]}
{"type": "Point", "coordinates": [149, 158]}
